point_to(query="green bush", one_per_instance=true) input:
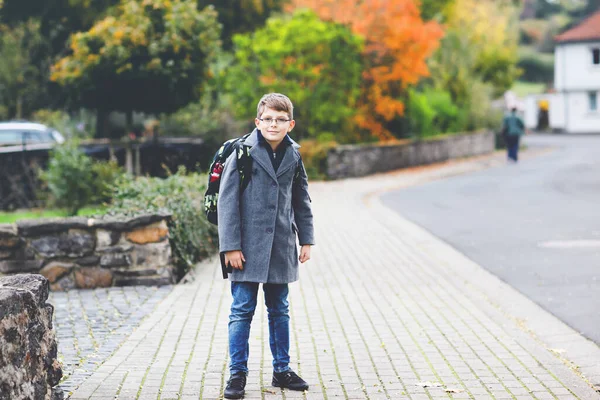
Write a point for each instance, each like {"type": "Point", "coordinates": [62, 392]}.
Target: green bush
{"type": "Point", "coordinates": [106, 174]}
{"type": "Point", "coordinates": [432, 112]}
{"type": "Point", "coordinates": [191, 236]}
{"type": "Point", "coordinates": [75, 180]}
{"type": "Point", "coordinates": [69, 177]}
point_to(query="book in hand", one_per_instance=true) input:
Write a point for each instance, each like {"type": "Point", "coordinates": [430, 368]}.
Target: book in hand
{"type": "Point", "coordinates": [226, 269]}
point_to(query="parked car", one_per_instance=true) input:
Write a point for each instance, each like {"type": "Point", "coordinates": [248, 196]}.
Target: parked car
{"type": "Point", "coordinates": [18, 132]}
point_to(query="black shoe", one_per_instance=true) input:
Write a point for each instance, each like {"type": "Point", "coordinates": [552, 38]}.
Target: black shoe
{"type": "Point", "coordinates": [290, 380]}
{"type": "Point", "coordinates": [235, 386]}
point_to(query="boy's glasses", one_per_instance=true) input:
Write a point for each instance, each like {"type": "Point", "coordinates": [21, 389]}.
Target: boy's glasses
{"type": "Point", "coordinates": [278, 121]}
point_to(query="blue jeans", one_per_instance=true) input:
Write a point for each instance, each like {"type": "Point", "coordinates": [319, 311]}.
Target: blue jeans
{"type": "Point", "coordinates": [512, 145]}
{"type": "Point", "coordinates": [242, 311]}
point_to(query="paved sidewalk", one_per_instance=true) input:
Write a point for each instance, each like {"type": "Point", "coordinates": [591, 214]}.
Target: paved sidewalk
{"type": "Point", "coordinates": [91, 324]}
{"type": "Point", "coordinates": [384, 310]}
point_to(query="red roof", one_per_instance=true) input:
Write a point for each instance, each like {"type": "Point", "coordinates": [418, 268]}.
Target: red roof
{"type": "Point", "coordinates": [589, 29]}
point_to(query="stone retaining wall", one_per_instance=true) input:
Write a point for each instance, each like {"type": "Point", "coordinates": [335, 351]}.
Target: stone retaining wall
{"type": "Point", "coordinates": [85, 253]}
{"type": "Point", "coordinates": [28, 351]}
{"type": "Point", "coordinates": [359, 160]}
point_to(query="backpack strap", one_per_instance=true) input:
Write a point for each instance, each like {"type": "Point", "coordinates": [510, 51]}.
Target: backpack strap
{"type": "Point", "coordinates": [298, 170]}
{"type": "Point", "coordinates": [244, 163]}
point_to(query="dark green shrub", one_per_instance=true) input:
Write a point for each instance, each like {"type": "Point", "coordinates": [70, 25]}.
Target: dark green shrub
{"type": "Point", "coordinates": [106, 174]}
{"type": "Point", "coordinates": [75, 180]}
{"type": "Point", "coordinates": [69, 177]}
{"type": "Point", "coordinates": [192, 237]}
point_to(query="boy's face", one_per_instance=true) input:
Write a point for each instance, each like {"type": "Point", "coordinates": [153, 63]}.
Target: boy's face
{"type": "Point", "coordinates": [272, 126]}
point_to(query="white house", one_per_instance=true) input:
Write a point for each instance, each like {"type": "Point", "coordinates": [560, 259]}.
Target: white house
{"type": "Point", "coordinates": [574, 107]}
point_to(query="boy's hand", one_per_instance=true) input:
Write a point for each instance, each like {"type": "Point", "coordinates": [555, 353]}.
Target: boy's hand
{"type": "Point", "coordinates": [235, 258]}
{"type": "Point", "coordinates": [304, 253]}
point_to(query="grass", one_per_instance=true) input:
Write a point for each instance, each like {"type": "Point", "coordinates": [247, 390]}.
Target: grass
{"type": "Point", "coordinates": [523, 89]}
{"type": "Point", "coordinates": [10, 217]}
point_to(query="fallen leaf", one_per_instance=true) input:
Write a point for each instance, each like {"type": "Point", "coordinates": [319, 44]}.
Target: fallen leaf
{"type": "Point", "coordinates": [454, 390]}
{"type": "Point", "coordinates": [429, 384]}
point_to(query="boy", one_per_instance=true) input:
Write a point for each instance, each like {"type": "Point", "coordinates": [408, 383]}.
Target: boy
{"type": "Point", "coordinates": [257, 234]}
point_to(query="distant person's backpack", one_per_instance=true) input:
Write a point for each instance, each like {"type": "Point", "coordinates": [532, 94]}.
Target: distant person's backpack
{"type": "Point", "coordinates": [244, 163]}
{"type": "Point", "coordinates": [244, 166]}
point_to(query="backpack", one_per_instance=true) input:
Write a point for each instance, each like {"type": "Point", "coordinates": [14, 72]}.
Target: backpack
{"type": "Point", "coordinates": [244, 164]}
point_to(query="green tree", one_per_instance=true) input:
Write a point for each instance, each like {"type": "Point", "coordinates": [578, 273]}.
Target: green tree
{"type": "Point", "coordinates": [489, 28]}
{"type": "Point", "coordinates": [58, 18]}
{"type": "Point", "coordinates": [317, 64]}
{"type": "Point", "coordinates": [242, 16]}
{"type": "Point", "coordinates": [431, 9]}
{"type": "Point", "coordinates": [19, 76]}
{"type": "Point", "coordinates": [150, 56]}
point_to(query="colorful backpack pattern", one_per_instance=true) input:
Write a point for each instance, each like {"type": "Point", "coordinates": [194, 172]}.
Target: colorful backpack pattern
{"type": "Point", "coordinates": [244, 163]}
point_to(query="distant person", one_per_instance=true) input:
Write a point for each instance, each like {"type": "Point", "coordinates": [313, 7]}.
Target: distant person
{"type": "Point", "coordinates": [512, 129]}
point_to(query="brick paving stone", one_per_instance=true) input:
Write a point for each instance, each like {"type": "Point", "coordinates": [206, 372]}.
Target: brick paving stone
{"type": "Point", "coordinates": [382, 308]}
{"type": "Point", "coordinates": [91, 324]}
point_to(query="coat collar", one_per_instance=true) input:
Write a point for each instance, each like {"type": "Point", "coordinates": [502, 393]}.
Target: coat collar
{"type": "Point", "coordinates": [262, 157]}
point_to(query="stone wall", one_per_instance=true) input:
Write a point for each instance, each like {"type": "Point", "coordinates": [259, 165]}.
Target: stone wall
{"type": "Point", "coordinates": [359, 160]}
{"type": "Point", "coordinates": [85, 253]}
{"type": "Point", "coordinates": [28, 351]}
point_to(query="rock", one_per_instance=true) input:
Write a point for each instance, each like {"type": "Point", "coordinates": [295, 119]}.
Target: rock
{"type": "Point", "coordinates": [8, 236]}
{"type": "Point", "coordinates": [88, 278]}
{"type": "Point", "coordinates": [47, 246]}
{"type": "Point", "coordinates": [153, 255]}
{"type": "Point", "coordinates": [120, 224]}
{"type": "Point", "coordinates": [88, 261]}
{"type": "Point", "coordinates": [24, 253]}
{"type": "Point", "coordinates": [122, 248]}
{"type": "Point", "coordinates": [56, 270]}
{"type": "Point", "coordinates": [115, 260]}
{"type": "Point", "coordinates": [34, 283]}
{"type": "Point", "coordinates": [28, 350]}
{"type": "Point", "coordinates": [67, 282]}
{"type": "Point", "coordinates": [5, 254]}
{"type": "Point", "coordinates": [13, 266]}
{"type": "Point", "coordinates": [106, 238]}
{"type": "Point", "coordinates": [75, 243]}
{"type": "Point", "coordinates": [80, 243]}
{"type": "Point", "coordinates": [153, 233]}
{"type": "Point", "coordinates": [45, 226]}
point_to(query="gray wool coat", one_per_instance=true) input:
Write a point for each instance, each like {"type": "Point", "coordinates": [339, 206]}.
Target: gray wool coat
{"type": "Point", "coordinates": [263, 222]}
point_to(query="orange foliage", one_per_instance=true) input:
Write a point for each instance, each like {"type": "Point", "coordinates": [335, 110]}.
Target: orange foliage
{"type": "Point", "coordinates": [397, 44]}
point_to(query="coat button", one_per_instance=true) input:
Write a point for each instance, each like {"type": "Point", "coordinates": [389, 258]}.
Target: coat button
{"type": "Point", "coordinates": [273, 184]}
{"type": "Point", "coordinates": [271, 207]}
{"type": "Point", "coordinates": [269, 230]}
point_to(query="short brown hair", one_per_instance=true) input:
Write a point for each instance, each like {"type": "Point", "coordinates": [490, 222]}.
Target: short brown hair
{"type": "Point", "coordinates": [277, 102]}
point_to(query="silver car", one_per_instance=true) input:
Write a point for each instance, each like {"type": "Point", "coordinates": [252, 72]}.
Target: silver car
{"type": "Point", "coordinates": [18, 133]}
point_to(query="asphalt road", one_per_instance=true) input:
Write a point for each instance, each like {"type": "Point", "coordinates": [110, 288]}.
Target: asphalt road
{"type": "Point", "coordinates": [535, 224]}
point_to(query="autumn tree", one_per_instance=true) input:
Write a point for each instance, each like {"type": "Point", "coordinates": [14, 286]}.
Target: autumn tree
{"type": "Point", "coordinates": [149, 55]}
{"type": "Point", "coordinates": [488, 28]}
{"type": "Point", "coordinates": [397, 44]}
{"type": "Point", "coordinates": [317, 64]}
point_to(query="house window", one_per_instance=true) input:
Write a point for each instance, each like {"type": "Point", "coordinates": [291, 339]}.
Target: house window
{"type": "Point", "coordinates": [593, 101]}
{"type": "Point", "coordinates": [596, 56]}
